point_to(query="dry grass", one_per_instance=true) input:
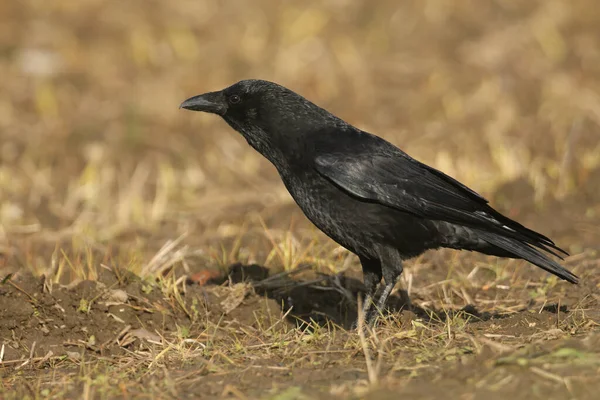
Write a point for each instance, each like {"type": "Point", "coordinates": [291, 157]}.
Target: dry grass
{"type": "Point", "coordinates": [99, 169]}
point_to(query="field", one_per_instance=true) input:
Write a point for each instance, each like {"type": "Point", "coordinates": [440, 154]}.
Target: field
{"type": "Point", "coordinates": [148, 252]}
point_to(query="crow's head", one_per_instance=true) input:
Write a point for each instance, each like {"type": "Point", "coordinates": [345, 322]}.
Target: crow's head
{"type": "Point", "coordinates": [268, 115]}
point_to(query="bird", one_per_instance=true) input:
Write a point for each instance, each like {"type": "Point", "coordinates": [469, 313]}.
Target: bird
{"type": "Point", "coordinates": [367, 194]}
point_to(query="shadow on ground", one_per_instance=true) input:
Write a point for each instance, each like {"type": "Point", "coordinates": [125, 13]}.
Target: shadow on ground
{"type": "Point", "coordinates": [332, 299]}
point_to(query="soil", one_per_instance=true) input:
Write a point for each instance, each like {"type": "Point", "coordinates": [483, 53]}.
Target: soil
{"type": "Point", "coordinates": [90, 316]}
{"type": "Point", "coordinates": [120, 313]}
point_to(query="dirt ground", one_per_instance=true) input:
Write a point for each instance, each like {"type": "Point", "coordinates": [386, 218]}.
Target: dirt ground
{"type": "Point", "coordinates": [146, 252]}
{"type": "Point", "coordinates": [250, 334]}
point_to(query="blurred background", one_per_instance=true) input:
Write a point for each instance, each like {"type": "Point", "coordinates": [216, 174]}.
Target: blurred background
{"type": "Point", "coordinates": [97, 163]}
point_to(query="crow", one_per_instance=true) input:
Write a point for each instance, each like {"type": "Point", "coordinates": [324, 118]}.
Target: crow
{"type": "Point", "coordinates": [365, 193]}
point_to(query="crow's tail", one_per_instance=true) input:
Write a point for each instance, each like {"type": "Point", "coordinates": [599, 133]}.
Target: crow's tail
{"type": "Point", "coordinates": [527, 252]}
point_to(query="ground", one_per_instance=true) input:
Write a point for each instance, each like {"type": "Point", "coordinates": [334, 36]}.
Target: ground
{"type": "Point", "coordinates": [148, 252]}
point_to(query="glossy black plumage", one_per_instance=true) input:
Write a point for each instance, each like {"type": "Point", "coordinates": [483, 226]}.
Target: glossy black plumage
{"type": "Point", "coordinates": [364, 192]}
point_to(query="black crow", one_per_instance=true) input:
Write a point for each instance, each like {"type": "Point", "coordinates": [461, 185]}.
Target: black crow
{"type": "Point", "coordinates": [365, 193]}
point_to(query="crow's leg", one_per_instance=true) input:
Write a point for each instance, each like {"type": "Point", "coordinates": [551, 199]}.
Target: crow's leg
{"type": "Point", "coordinates": [372, 275]}
{"type": "Point", "coordinates": [389, 286]}
{"type": "Point", "coordinates": [391, 263]}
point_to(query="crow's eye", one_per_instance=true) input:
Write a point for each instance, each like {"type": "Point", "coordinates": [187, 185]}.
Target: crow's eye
{"type": "Point", "coordinates": [234, 99]}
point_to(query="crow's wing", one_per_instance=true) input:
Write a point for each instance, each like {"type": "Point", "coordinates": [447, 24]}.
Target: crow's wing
{"type": "Point", "coordinates": [390, 177]}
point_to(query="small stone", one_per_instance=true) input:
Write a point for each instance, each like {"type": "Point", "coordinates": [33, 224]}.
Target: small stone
{"type": "Point", "coordinates": [117, 296]}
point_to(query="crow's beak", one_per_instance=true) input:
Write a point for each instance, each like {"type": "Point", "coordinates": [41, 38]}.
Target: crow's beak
{"type": "Point", "coordinates": [212, 102]}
